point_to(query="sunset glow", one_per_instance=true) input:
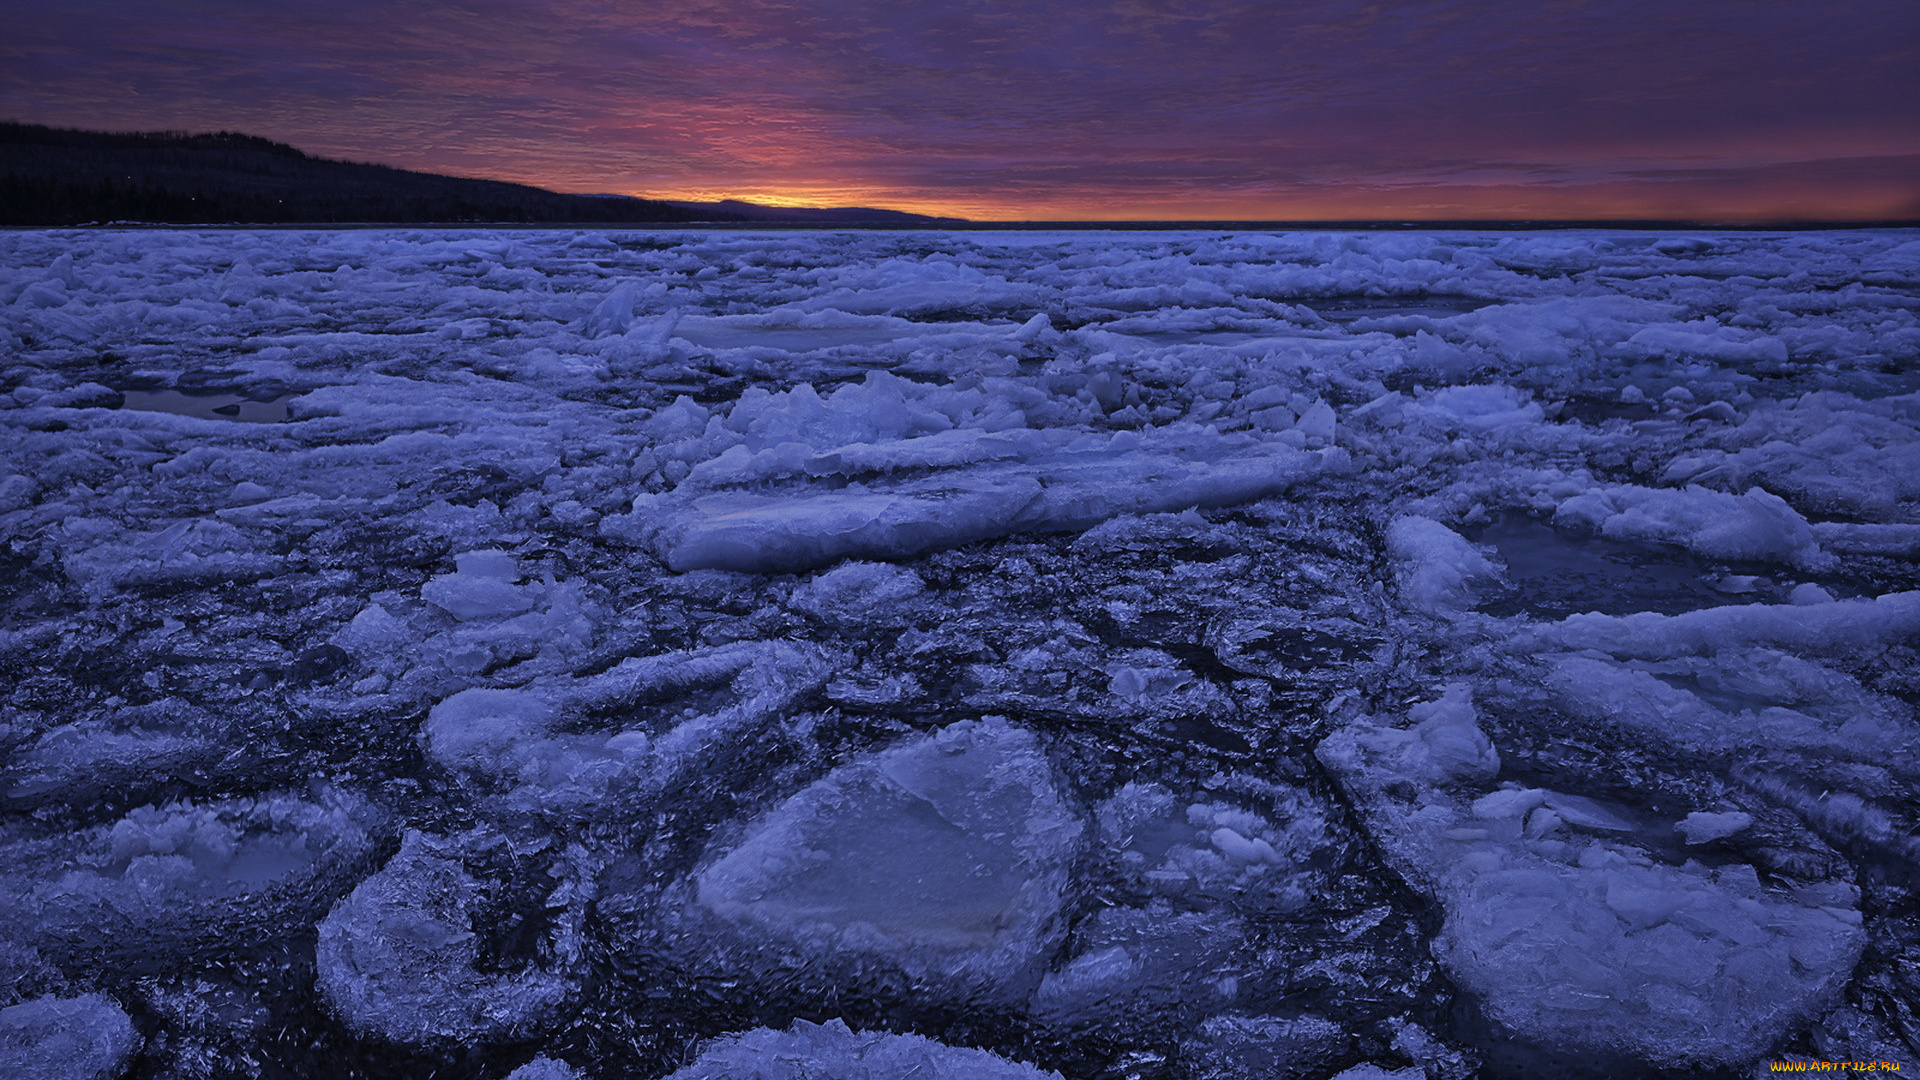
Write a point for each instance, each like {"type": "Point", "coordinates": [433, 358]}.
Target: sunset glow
{"type": "Point", "coordinates": [991, 110]}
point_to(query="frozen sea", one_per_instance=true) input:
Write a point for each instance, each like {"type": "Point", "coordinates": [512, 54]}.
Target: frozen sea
{"type": "Point", "coordinates": [867, 656]}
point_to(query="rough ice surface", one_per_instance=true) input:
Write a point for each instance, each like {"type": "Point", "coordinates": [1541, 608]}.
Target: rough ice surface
{"type": "Point", "coordinates": [1574, 939]}
{"type": "Point", "coordinates": [406, 954]}
{"type": "Point", "coordinates": [831, 1050]}
{"type": "Point", "coordinates": [947, 855]}
{"type": "Point", "coordinates": [1185, 655]}
{"type": "Point", "coordinates": [81, 1038]}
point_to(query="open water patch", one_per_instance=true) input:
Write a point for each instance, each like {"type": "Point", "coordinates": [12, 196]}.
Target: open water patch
{"type": "Point", "coordinates": [218, 406]}
{"type": "Point", "coordinates": [1551, 574]}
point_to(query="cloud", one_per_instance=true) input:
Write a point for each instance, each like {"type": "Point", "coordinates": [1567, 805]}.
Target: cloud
{"type": "Point", "coordinates": [1051, 104]}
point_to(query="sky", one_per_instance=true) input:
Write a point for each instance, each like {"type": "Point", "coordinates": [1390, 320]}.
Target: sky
{"type": "Point", "coordinates": [1049, 109]}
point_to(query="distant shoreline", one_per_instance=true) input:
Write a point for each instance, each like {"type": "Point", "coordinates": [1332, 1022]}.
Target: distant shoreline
{"type": "Point", "coordinates": [1010, 226]}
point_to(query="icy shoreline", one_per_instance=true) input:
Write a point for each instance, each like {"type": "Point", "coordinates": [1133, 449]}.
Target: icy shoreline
{"type": "Point", "coordinates": [1178, 654]}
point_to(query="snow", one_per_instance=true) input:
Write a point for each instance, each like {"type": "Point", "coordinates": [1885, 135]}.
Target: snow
{"type": "Point", "coordinates": [1186, 653]}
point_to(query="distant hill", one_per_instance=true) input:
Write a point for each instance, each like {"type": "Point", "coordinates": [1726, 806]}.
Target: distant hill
{"type": "Point", "coordinates": [734, 209]}
{"type": "Point", "coordinates": [52, 176]}
{"type": "Point", "coordinates": [58, 176]}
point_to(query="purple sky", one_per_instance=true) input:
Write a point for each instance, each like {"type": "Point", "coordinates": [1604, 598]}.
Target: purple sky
{"type": "Point", "coordinates": [1134, 108]}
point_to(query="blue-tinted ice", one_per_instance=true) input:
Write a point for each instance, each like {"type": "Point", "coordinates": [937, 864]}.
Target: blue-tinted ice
{"type": "Point", "coordinates": [1182, 656]}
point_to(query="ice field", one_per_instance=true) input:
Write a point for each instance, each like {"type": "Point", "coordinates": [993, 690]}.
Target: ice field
{"type": "Point", "coordinates": [1002, 655]}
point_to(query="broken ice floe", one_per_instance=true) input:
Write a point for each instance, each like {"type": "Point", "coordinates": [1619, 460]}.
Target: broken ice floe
{"type": "Point", "coordinates": [1570, 938]}
{"type": "Point", "coordinates": [78, 1038]}
{"type": "Point", "coordinates": [164, 883]}
{"type": "Point", "coordinates": [573, 748]}
{"type": "Point", "coordinates": [426, 951]}
{"type": "Point", "coordinates": [832, 1049]}
{"type": "Point", "coordinates": [445, 580]}
{"type": "Point", "coordinates": [945, 857]}
{"type": "Point", "coordinates": [1070, 487]}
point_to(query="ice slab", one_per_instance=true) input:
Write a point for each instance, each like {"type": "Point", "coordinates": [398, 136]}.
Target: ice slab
{"type": "Point", "coordinates": [78, 1038]}
{"type": "Point", "coordinates": [1437, 568]}
{"type": "Point", "coordinates": [164, 881]}
{"type": "Point", "coordinates": [1848, 626]}
{"type": "Point", "coordinates": [1067, 490]}
{"type": "Point", "coordinates": [809, 1051]}
{"type": "Point", "coordinates": [569, 748]}
{"type": "Point", "coordinates": [402, 955]}
{"type": "Point", "coordinates": [1574, 939]}
{"type": "Point", "coordinates": [481, 587]}
{"type": "Point", "coordinates": [946, 856]}
{"type": "Point", "coordinates": [1758, 526]}
{"type": "Point", "coordinates": [544, 1068]}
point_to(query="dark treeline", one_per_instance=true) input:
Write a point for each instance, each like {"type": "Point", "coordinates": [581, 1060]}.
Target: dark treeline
{"type": "Point", "coordinates": [52, 176]}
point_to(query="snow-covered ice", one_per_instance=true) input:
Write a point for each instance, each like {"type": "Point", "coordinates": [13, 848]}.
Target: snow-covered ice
{"type": "Point", "coordinates": [1174, 655]}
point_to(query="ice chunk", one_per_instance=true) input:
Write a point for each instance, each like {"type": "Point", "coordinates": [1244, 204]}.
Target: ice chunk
{"type": "Point", "coordinates": [1821, 628]}
{"type": "Point", "coordinates": [858, 591]}
{"type": "Point", "coordinates": [1718, 342]}
{"type": "Point", "coordinates": [1436, 566]}
{"type": "Point", "coordinates": [1807, 594]}
{"type": "Point", "coordinates": [1067, 490]}
{"type": "Point", "coordinates": [481, 588]}
{"type": "Point", "coordinates": [808, 1051]}
{"type": "Point", "coordinates": [613, 314]}
{"type": "Point", "coordinates": [1444, 744]}
{"type": "Point", "coordinates": [78, 1038]}
{"type": "Point", "coordinates": [1703, 827]}
{"type": "Point", "coordinates": [1237, 1047]}
{"type": "Point", "coordinates": [544, 1068]}
{"type": "Point", "coordinates": [759, 534]}
{"type": "Point", "coordinates": [1588, 943]}
{"type": "Point", "coordinates": [400, 957]}
{"type": "Point", "coordinates": [1750, 698]}
{"type": "Point", "coordinates": [1756, 526]}
{"type": "Point", "coordinates": [169, 880]}
{"type": "Point", "coordinates": [1481, 408]}
{"type": "Point", "coordinates": [497, 732]}
{"type": "Point", "coordinates": [946, 855]}
{"type": "Point", "coordinates": [1652, 961]}
{"type": "Point", "coordinates": [1377, 1072]}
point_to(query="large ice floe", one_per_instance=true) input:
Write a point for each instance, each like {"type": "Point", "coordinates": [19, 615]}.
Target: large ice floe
{"type": "Point", "coordinates": [947, 856]}
{"type": "Point", "coordinates": [1185, 655]}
